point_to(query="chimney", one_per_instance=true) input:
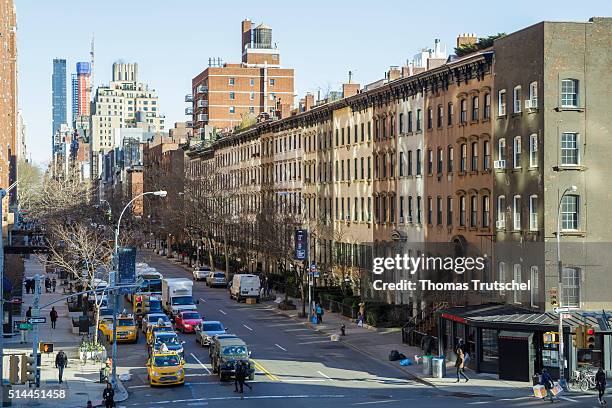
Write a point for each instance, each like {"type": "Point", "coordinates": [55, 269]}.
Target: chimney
{"type": "Point", "coordinates": [308, 101]}
{"type": "Point", "coordinates": [394, 73]}
{"type": "Point", "coordinates": [466, 38]}
{"type": "Point", "coordinates": [349, 90]}
{"type": "Point", "coordinates": [246, 36]}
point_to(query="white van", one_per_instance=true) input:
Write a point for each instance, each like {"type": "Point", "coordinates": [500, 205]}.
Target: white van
{"type": "Point", "coordinates": [245, 286]}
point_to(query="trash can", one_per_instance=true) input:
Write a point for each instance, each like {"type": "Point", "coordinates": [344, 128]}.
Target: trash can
{"type": "Point", "coordinates": [427, 368]}
{"type": "Point", "coordinates": [438, 367]}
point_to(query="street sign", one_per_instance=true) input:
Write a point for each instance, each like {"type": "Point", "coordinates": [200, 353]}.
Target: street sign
{"type": "Point", "coordinates": [558, 310]}
{"type": "Point", "coordinates": [566, 316]}
{"type": "Point", "coordinates": [126, 268]}
{"type": "Point", "coordinates": [313, 270]}
{"type": "Point", "coordinates": [301, 245]}
{"type": "Point", "coordinates": [37, 320]}
{"type": "Point", "coordinates": [25, 326]}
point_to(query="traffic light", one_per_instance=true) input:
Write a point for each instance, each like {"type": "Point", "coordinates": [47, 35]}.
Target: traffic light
{"type": "Point", "coordinates": [551, 338]}
{"type": "Point", "coordinates": [589, 342]}
{"type": "Point", "coordinates": [579, 338]}
{"type": "Point", "coordinates": [554, 301]}
{"type": "Point", "coordinates": [14, 369]}
{"type": "Point", "coordinates": [138, 304]}
{"type": "Point", "coordinates": [45, 347]}
{"type": "Point", "coordinates": [27, 369]}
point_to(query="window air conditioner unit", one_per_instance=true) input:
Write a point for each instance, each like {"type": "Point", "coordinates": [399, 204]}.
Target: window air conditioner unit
{"type": "Point", "coordinates": [348, 218]}
{"type": "Point", "coordinates": [500, 224]}
{"type": "Point", "coordinates": [499, 164]}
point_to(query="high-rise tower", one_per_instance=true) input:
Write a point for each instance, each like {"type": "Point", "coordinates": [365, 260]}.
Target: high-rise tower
{"type": "Point", "coordinates": [58, 89]}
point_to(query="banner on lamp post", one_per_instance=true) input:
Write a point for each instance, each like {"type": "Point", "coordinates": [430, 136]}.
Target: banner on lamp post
{"type": "Point", "coordinates": [301, 245]}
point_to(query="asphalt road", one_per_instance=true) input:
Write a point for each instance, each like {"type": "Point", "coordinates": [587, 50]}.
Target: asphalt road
{"type": "Point", "coordinates": [296, 366]}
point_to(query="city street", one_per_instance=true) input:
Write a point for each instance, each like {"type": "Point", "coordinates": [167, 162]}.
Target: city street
{"type": "Point", "coordinates": [293, 363]}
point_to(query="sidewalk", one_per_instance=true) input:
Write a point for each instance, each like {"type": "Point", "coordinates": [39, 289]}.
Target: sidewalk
{"type": "Point", "coordinates": [80, 380]}
{"type": "Point", "coordinates": [377, 343]}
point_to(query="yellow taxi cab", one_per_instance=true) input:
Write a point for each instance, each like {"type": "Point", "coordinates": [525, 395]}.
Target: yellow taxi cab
{"type": "Point", "coordinates": [165, 368]}
{"type": "Point", "coordinates": [160, 326]}
{"type": "Point", "coordinates": [126, 329]}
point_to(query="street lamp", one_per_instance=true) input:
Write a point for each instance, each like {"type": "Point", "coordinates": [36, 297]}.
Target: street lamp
{"type": "Point", "coordinates": [569, 190]}
{"type": "Point", "coordinates": [160, 193]}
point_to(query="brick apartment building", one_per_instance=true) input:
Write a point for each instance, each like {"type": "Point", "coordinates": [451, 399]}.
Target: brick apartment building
{"type": "Point", "coordinates": [224, 94]}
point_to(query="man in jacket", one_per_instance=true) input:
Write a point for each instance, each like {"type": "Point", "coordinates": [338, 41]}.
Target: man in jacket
{"type": "Point", "coordinates": [600, 384]}
{"type": "Point", "coordinates": [460, 364]}
{"type": "Point", "coordinates": [53, 316]}
{"type": "Point", "coordinates": [61, 362]}
{"type": "Point", "coordinates": [548, 384]}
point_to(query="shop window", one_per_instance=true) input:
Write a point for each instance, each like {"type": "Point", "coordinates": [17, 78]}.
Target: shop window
{"type": "Point", "coordinates": [490, 351]}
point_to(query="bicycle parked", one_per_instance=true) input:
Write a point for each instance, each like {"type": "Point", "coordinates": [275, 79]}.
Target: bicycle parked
{"type": "Point", "coordinates": [582, 379]}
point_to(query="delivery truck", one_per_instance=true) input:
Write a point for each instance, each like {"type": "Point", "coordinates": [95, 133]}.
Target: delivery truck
{"type": "Point", "coordinates": [177, 295]}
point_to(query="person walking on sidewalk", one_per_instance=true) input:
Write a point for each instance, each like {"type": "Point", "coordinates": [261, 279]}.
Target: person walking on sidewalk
{"type": "Point", "coordinates": [47, 284]}
{"type": "Point", "coordinates": [108, 396]}
{"type": "Point", "coordinates": [548, 384]}
{"type": "Point", "coordinates": [600, 384]}
{"type": "Point", "coordinates": [240, 377]}
{"type": "Point", "coordinates": [61, 362]}
{"type": "Point", "coordinates": [29, 312]}
{"type": "Point", "coordinates": [460, 364]}
{"type": "Point", "coordinates": [53, 284]}
{"type": "Point", "coordinates": [361, 317]}
{"type": "Point", "coordinates": [319, 310]}
{"type": "Point", "coordinates": [53, 316]}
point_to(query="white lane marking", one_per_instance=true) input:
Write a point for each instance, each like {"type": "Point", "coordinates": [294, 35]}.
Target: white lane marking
{"type": "Point", "coordinates": [294, 330]}
{"type": "Point", "coordinates": [568, 399]}
{"type": "Point", "coordinates": [280, 347]}
{"type": "Point", "coordinates": [314, 342]}
{"type": "Point", "coordinates": [138, 386]}
{"type": "Point", "coordinates": [202, 364]}
{"type": "Point", "coordinates": [374, 402]}
{"type": "Point", "coordinates": [222, 311]}
{"type": "Point", "coordinates": [197, 375]}
{"type": "Point", "coordinates": [303, 380]}
{"type": "Point", "coordinates": [247, 327]}
{"type": "Point", "coordinates": [203, 300]}
{"type": "Point", "coordinates": [254, 397]}
{"type": "Point", "coordinates": [325, 375]}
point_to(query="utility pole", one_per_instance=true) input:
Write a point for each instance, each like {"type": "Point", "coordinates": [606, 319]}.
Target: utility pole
{"type": "Point", "coordinates": [36, 313]}
{"type": "Point", "coordinates": [2, 195]}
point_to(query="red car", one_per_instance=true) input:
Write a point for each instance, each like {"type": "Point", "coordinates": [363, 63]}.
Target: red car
{"type": "Point", "coordinates": [187, 320]}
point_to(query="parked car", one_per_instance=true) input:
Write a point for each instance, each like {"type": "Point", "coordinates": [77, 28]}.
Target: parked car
{"type": "Point", "coordinates": [186, 321]}
{"type": "Point", "coordinates": [245, 286]}
{"type": "Point", "coordinates": [153, 318]}
{"type": "Point", "coordinates": [206, 330]}
{"type": "Point", "coordinates": [216, 279]}
{"type": "Point", "coordinates": [201, 272]}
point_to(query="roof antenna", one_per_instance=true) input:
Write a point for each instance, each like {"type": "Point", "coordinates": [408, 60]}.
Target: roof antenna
{"type": "Point", "coordinates": [350, 76]}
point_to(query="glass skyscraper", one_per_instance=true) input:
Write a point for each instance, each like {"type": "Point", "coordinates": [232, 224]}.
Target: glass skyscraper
{"type": "Point", "coordinates": [58, 88]}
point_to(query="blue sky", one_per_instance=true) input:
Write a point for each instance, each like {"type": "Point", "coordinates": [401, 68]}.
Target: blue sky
{"type": "Point", "coordinates": [321, 40]}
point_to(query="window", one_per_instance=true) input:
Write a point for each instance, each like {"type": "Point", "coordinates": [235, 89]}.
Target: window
{"type": "Point", "coordinates": [533, 150]}
{"type": "Point", "coordinates": [485, 211]}
{"type": "Point", "coordinates": [517, 152]}
{"type": "Point", "coordinates": [362, 168]}
{"type": "Point", "coordinates": [571, 287]}
{"type": "Point", "coordinates": [517, 99]}
{"type": "Point", "coordinates": [272, 81]}
{"type": "Point", "coordinates": [429, 162]}
{"type": "Point", "coordinates": [439, 210]}
{"type": "Point", "coordinates": [486, 147]}
{"type": "Point", "coordinates": [502, 102]}
{"type": "Point", "coordinates": [463, 111]}
{"type": "Point", "coordinates": [570, 150]}
{"type": "Point", "coordinates": [252, 82]}
{"type": "Point", "coordinates": [490, 349]}
{"type": "Point", "coordinates": [429, 118]}
{"type": "Point", "coordinates": [418, 209]}
{"type": "Point", "coordinates": [533, 94]}
{"type": "Point", "coordinates": [232, 109]}
{"type": "Point", "coordinates": [232, 81]}
{"type": "Point", "coordinates": [440, 118]}
{"type": "Point", "coordinates": [449, 159]}
{"type": "Point", "coordinates": [501, 272]}
{"type": "Point", "coordinates": [418, 162]}
{"type": "Point", "coordinates": [409, 172]}
{"type": "Point", "coordinates": [362, 132]}
{"type": "Point", "coordinates": [569, 213]}
{"type": "Point", "coordinates": [401, 209]}
{"type": "Point", "coordinates": [463, 163]}
{"type": "Point", "coordinates": [384, 165]}
{"type": "Point", "coordinates": [516, 216]}
{"type": "Point", "coordinates": [401, 164]}
{"type": "Point", "coordinates": [410, 121]}
{"type": "Point", "coordinates": [501, 212]}
{"type": "Point", "coordinates": [440, 160]}
{"type": "Point", "coordinates": [401, 123]}
{"type": "Point", "coordinates": [418, 120]}
{"type": "Point", "coordinates": [569, 93]}
{"type": "Point", "coordinates": [449, 114]}
{"type": "Point", "coordinates": [462, 211]}
{"type": "Point", "coordinates": [535, 277]}
{"type": "Point", "coordinates": [475, 108]}
{"type": "Point", "coordinates": [252, 96]}
{"type": "Point", "coordinates": [429, 210]}
{"type": "Point", "coordinates": [517, 279]}
{"type": "Point", "coordinates": [410, 209]}
{"type": "Point", "coordinates": [232, 95]}
{"type": "Point", "coordinates": [474, 156]}
{"type": "Point", "coordinates": [487, 106]}
{"type": "Point", "coordinates": [474, 211]}
{"type": "Point", "coordinates": [533, 213]}
{"type": "Point", "coordinates": [449, 210]}
{"type": "Point", "coordinates": [369, 209]}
